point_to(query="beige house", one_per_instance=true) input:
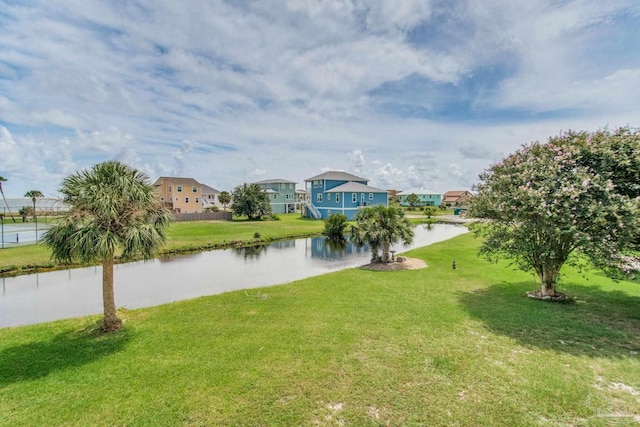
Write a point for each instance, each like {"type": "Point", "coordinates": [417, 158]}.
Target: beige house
{"type": "Point", "coordinates": [181, 195]}
{"type": "Point", "coordinates": [456, 198]}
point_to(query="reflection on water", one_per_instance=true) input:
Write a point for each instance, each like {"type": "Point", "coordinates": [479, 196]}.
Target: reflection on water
{"type": "Point", "coordinates": [55, 295]}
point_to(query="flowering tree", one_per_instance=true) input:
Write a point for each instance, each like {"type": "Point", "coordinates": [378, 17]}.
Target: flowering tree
{"type": "Point", "coordinates": [577, 193]}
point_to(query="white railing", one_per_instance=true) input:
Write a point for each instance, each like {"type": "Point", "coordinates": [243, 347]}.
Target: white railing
{"type": "Point", "coordinates": [314, 211]}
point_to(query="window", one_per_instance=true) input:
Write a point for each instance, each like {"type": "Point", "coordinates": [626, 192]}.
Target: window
{"type": "Point", "coordinates": [315, 184]}
{"type": "Point", "coordinates": [328, 196]}
{"type": "Point", "coordinates": [194, 189]}
{"type": "Point", "coordinates": [290, 186]}
{"type": "Point", "coordinates": [354, 197]}
{"type": "Point", "coordinates": [337, 197]}
{"type": "Point", "coordinates": [175, 199]}
{"type": "Point", "coordinates": [275, 196]}
{"type": "Point", "coordinates": [186, 200]}
{"type": "Point", "coordinates": [179, 188]}
{"type": "Point", "coordinates": [162, 199]}
{"type": "Point", "coordinates": [319, 198]}
{"type": "Point", "coordinates": [169, 189]}
{"type": "Point", "coordinates": [197, 200]}
{"type": "Point", "coordinates": [370, 196]}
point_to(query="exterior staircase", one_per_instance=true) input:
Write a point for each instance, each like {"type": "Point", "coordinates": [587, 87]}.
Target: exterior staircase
{"type": "Point", "coordinates": [315, 213]}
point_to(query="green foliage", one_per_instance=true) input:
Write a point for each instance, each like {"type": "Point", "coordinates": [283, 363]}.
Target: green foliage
{"type": "Point", "coordinates": [257, 235]}
{"type": "Point", "coordinates": [429, 211]}
{"type": "Point", "coordinates": [576, 193]}
{"type": "Point", "coordinates": [335, 226]}
{"type": "Point", "coordinates": [211, 209]}
{"type": "Point", "coordinates": [380, 227]}
{"type": "Point", "coordinates": [224, 198]}
{"type": "Point", "coordinates": [413, 200]}
{"type": "Point", "coordinates": [24, 212]}
{"type": "Point", "coordinates": [112, 211]}
{"type": "Point", "coordinates": [251, 200]}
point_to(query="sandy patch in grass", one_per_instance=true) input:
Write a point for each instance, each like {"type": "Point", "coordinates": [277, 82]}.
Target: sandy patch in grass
{"type": "Point", "coordinates": [406, 264]}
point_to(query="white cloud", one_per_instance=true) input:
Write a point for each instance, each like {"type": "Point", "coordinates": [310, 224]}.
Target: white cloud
{"type": "Point", "coordinates": [230, 92]}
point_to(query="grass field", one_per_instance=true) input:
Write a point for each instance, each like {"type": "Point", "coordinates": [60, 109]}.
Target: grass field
{"type": "Point", "coordinates": [356, 348]}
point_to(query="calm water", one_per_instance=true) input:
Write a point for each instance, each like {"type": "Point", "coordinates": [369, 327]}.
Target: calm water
{"type": "Point", "coordinates": [57, 295]}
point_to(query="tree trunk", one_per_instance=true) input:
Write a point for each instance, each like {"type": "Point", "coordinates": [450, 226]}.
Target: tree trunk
{"type": "Point", "coordinates": [111, 321]}
{"type": "Point", "coordinates": [385, 251]}
{"type": "Point", "coordinates": [5, 202]}
{"type": "Point", "coordinates": [374, 253]}
{"type": "Point", "coordinates": [548, 280]}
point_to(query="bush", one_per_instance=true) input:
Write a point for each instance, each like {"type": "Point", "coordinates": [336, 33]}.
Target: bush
{"type": "Point", "coordinates": [257, 235]}
{"type": "Point", "coordinates": [334, 227]}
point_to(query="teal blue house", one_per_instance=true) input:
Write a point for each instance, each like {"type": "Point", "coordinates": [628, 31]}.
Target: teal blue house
{"type": "Point", "coordinates": [341, 192]}
{"type": "Point", "coordinates": [282, 195]}
{"type": "Point", "coordinates": [425, 197]}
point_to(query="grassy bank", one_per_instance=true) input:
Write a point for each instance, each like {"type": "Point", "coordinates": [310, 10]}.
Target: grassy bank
{"type": "Point", "coordinates": [182, 237]}
{"type": "Point", "coordinates": [423, 347]}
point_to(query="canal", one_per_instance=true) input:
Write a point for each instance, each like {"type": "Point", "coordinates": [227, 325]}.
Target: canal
{"type": "Point", "coordinates": [44, 297]}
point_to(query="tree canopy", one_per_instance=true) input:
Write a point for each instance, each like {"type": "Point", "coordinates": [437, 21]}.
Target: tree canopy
{"type": "Point", "coordinates": [572, 198]}
{"type": "Point", "coordinates": [251, 200]}
{"type": "Point", "coordinates": [113, 211]}
{"type": "Point", "coordinates": [413, 200]}
{"type": "Point", "coordinates": [380, 227]}
{"type": "Point", "coordinates": [224, 198]}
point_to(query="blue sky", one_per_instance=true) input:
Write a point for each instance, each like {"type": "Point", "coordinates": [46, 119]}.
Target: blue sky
{"type": "Point", "coordinates": [408, 94]}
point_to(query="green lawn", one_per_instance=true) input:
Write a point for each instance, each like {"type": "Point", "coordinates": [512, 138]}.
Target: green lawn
{"type": "Point", "coordinates": [357, 348]}
{"type": "Point", "coordinates": [182, 237]}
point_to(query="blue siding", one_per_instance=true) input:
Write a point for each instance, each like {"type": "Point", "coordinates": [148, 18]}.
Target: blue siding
{"type": "Point", "coordinates": [425, 199]}
{"type": "Point", "coordinates": [345, 203]}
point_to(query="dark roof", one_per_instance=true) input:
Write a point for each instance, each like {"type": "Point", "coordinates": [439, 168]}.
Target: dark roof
{"type": "Point", "coordinates": [355, 187]}
{"type": "Point", "coordinates": [336, 176]}
{"type": "Point", "coordinates": [206, 189]}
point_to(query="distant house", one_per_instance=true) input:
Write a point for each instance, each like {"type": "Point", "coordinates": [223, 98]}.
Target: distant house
{"type": "Point", "coordinates": [282, 195]}
{"type": "Point", "coordinates": [341, 192]}
{"type": "Point", "coordinates": [210, 197]}
{"type": "Point", "coordinates": [425, 197]}
{"type": "Point", "coordinates": [181, 195]}
{"type": "Point", "coordinates": [456, 198]}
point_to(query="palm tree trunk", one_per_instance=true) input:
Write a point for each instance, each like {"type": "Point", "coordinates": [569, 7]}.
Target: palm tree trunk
{"type": "Point", "coordinates": [111, 321]}
{"type": "Point", "coordinates": [5, 202]}
{"type": "Point", "coordinates": [385, 251]}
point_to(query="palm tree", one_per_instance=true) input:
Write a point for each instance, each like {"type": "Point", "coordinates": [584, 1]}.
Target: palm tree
{"type": "Point", "coordinates": [113, 212]}
{"type": "Point", "coordinates": [224, 198]}
{"type": "Point", "coordinates": [34, 195]}
{"type": "Point", "coordinates": [380, 227]}
{"type": "Point", "coordinates": [3, 179]}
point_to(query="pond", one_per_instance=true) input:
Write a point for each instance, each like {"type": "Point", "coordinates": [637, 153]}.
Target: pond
{"type": "Point", "coordinates": [44, 297]}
